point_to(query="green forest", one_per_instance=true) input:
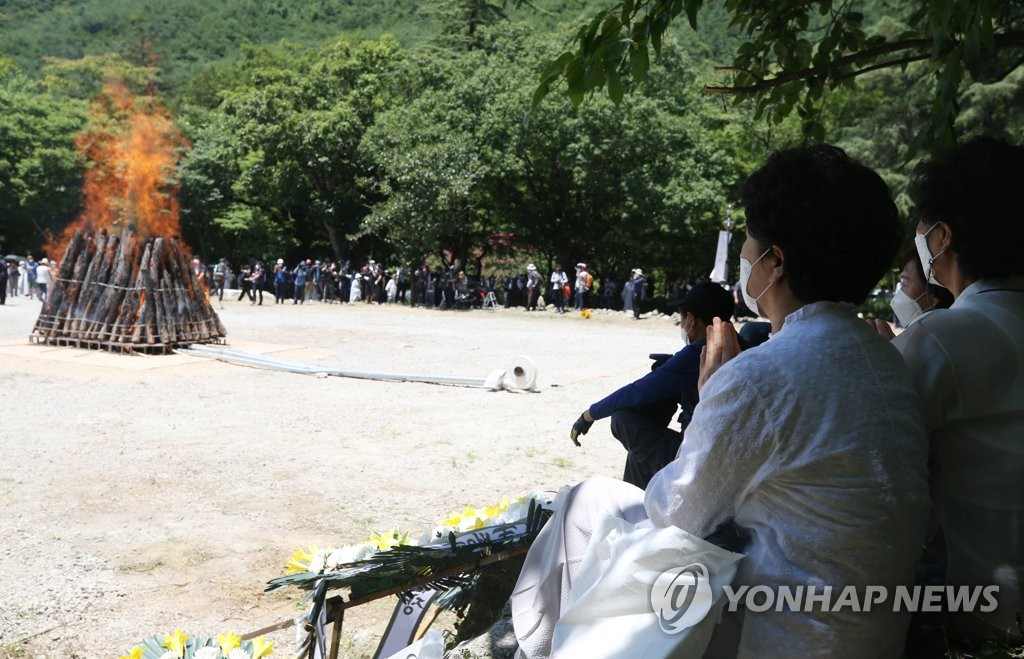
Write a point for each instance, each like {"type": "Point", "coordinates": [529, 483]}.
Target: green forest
{"type": "Point", "coordinates": [493, 132]}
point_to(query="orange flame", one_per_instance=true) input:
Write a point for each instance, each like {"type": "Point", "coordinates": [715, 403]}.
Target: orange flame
{"type": "Point", "coordinates": [132, 150]}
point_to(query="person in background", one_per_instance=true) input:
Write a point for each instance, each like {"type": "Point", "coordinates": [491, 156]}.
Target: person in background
{"type": "Point", "coordinates": [581, 286]}
{"type": "Point", "coordinates": [967, 363]}
{"type": "Point", "coordinates": [30, 270]}
{"type": "Point", "coordinates": [642, 410]}
{"type": "Point", "coordinates": [391, 288]}
{"type": "Point", "coordinates": [199, 271]}
{"type": "Point", "coordinates": [220, 274]}
{"type": "Point", "coordinates": [13, 277]}
{"type": "Point", "coordinates": [23, 286]}
{"type": "Point", "coordinates": [301, 273]}
{"type": "Point", "coordinates": [43, 278]}
{"type": "Point", "coordinates": [245, 283]}
{"type": "Point", "coordinates": [259, 280]}
{"type": "Point", "coordinates": [638, 292]}
{"type": "Point", "coordinates": [4, 277]}
{"type": "Point", "coordinates": [280, 282]}
{"type": "Point", "coordinates": [915, 295]}
{"type": "Point", "coordinates": [559, 280]}
{"type": "Point", "coordinates": [533, 280]}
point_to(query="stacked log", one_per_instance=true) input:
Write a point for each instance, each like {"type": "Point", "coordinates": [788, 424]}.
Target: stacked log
{"type": "Point", "coordinates": [121, 293]}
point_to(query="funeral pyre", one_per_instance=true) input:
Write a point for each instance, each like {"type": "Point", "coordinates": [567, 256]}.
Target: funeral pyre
{"type": "Point", "coordinates": [125, 281]}
{"type": "Point", "coordinates": [125, 294]}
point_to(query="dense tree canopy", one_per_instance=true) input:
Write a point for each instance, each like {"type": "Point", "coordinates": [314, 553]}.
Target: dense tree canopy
{"type": "Point", "coordinates": [354, 148]}
{"type": "Point", "coordinates": [794, 51]}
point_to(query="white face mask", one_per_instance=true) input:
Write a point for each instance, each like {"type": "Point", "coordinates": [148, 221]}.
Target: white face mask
{"type": "Point", "coordinates": [906, 308]}
{"type": "Point", "coordinates": [745, 269]}
{"type": "Point", "coordinates": [685, 331]}
{"type": "Point", "coordinates": [923, 253]}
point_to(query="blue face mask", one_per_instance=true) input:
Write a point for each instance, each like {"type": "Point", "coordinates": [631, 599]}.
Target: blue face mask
{"type": "Point", "coordinates": [745, 269]}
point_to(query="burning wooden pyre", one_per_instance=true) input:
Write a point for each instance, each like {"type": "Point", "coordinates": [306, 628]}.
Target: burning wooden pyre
{"type": "Point", "coordinates": [123, 294]}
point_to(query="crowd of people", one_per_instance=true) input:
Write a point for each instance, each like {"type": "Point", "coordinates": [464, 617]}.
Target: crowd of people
{"type": "Point", "coordinates": [442, 288]}
{"type": "Point", "coordinates": [26, 278]}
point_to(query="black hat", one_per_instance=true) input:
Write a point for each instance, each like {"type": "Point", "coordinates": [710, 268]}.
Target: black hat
{"type": "Point", "coordinates": [706, 301]}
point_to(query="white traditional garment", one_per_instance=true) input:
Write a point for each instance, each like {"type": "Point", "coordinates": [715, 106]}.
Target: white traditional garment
{"type": "Point", "coordinates": [968, 365]}
{"type": "Point", "coordinates": [812, 443]}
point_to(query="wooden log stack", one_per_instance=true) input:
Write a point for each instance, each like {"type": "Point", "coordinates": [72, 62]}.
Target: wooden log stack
{"type": "Point", "coordinates": [124, 294]}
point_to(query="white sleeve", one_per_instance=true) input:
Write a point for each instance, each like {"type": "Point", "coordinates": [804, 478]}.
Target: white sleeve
{"type": "Point", "coordinates": [726, 452]}
{"type": "Point", "coordinates": [931, 369]}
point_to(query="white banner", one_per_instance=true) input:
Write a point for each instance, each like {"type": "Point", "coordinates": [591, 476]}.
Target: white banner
{"type": "Point", "coordinates": [720, 273]}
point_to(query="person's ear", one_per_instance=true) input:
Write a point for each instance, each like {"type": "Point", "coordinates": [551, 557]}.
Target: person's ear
{"type": "Point", "coordinates": [778, 268]}
{"type": "Point", "coordinates": [945, 237]}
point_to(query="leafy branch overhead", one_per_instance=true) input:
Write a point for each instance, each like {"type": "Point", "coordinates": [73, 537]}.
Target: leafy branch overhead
{"type": "Point", "coordinates": [794, 51]}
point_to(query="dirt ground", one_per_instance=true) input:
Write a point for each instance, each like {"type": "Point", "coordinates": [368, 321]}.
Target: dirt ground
{"type": "Point", "coordinates": [141, 494]}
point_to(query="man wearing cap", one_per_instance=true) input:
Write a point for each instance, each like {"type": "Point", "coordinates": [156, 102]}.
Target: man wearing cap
{"type": "Point", "coordinates": [30, 270]}
{"type": "Point", "coordinates": [642, 410]}
{"type": "Point", "coordinates": [43, 278]}
{"type": "Point", "coordinates": [533, 281]}
{"type": "Point", "coordinates": [638, 293]}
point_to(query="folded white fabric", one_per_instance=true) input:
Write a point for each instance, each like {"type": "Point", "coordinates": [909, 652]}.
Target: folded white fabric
{"type": "Point", "coordinates": [644, 592]}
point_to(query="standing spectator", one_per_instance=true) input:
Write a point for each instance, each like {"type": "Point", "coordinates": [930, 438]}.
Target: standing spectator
{"type": "Point", "coordinates": [344, 282]}
{"type": "Point", "coordinates": [220, 274]}
{"type": "Point", "coordinates": [23, 288]}
{"type": "Point", "coordinates": [301, 273]}
{"type": "Point", "coordinates": [559, 280]}
{"type": "Point", "coordinates": [627, 293]}
{"type": "Point", "coordinates": [419, 286]}
{"type": "Point", "coordinates": [43, 278]}
{"type": "Point", "coordinates": [533, 280]}
{"type": "Point", "coordinates": [245, 283]}
{"type": "Point", "coordinates": [4, 276]}
{"type": "Point", "coordinates": [611, 287]}
{"type": "Point", "coordinates": [30, 269]}
{"type": "Point", "coordinates": [259, 280]}
{"type": "Point", "coordinates": [355, 293]}
{"type": "Point", "coordinates": [403, 283]}
{"type": "Point", "coordinates": [14, 278]}
{"type": "Point", "coordinates": [638, 292]}
{"type": "Point", "coordinates": [373, 283]}
{"type": "Point", "coordinates": [312, 276]}
{"type": "Point", "coordinates": [391, 289]}
{"type": "Point", "coordinates": [199, 271]}
{"type": "Point", "coordinates": [280, 282]}
{"type": "Point", "coordinates": [581, 285]}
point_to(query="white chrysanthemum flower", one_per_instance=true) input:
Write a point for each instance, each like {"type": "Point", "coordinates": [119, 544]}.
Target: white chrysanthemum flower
{"type": "Point", "coordinates": [207, 653]}
{"type": "Point", "coordinates": [348, 554]}
{"type": "Point", "coordinates": [318, 562]}
{"type": "Point", "coordinates": [169, 655]}
{"type": "Point", "coordinates": [239, 653]}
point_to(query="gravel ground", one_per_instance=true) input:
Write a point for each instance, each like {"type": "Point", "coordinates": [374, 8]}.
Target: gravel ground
{"type": "Point", "coordinates": [147, 493]}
